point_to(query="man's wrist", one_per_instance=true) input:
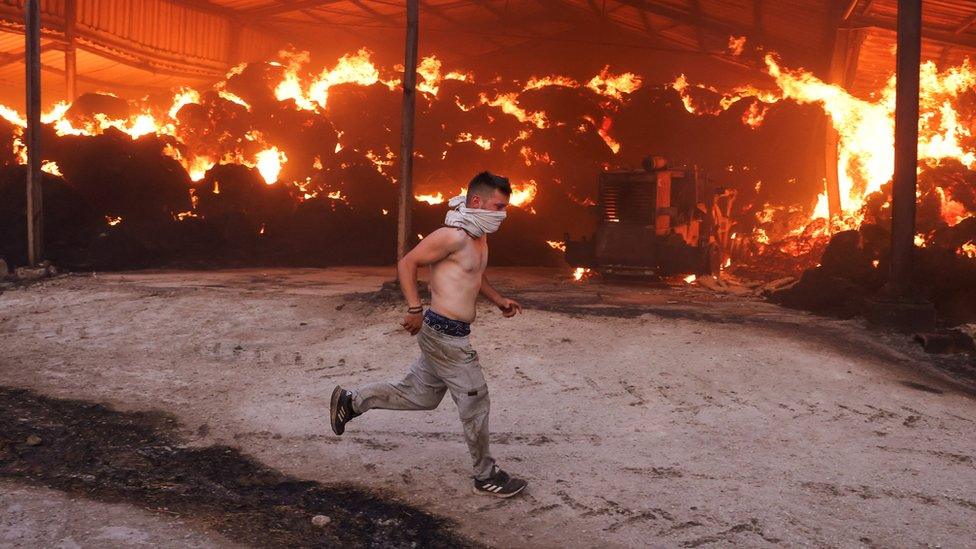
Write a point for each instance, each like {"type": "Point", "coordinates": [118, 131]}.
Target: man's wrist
{"type": "Point", "coordinates": [415, 309]}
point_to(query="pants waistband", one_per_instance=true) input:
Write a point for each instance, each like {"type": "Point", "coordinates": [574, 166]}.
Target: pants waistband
{"type": "Point", "coordinates": [446, 326]}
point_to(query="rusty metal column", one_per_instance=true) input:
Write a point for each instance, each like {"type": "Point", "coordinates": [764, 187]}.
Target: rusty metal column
{"type": "Point", "coordinates": [70, 53]}
{"type": "Point", "coordinates": [405, 209]}
{"type": "Point", "coordinates": [35, 219]}
{"type": "Point", "coordinates": [906, 145]}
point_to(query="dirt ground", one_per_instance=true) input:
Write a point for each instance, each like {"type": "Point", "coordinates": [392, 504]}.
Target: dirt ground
{"type": "Point", "coordinates": [664, 416]}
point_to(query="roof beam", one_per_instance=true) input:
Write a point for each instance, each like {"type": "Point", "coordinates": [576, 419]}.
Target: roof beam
{"type": "Point", "coordinates": [965, 24]}
{"type": "Point", "coordinates": [712, 25]}
{"type": "Point", "coordinates": [381, 16]}
{"type": "Point", "coordinates": [942, 37]}
{"type": "Point", "coordinates": [284, 7]}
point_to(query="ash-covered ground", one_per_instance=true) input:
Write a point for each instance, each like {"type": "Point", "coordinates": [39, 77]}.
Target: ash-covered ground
{"type": "Point", "coordinates": [640, 415]}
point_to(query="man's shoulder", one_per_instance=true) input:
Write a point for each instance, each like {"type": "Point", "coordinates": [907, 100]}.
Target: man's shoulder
{"type": "Point", "coordinates": [450, 235]}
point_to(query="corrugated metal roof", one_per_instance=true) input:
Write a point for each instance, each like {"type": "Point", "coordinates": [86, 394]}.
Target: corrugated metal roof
{"type": "Point", "coordinates": [160, 43]}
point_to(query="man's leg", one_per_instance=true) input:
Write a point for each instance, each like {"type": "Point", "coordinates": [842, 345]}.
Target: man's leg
{"type": "Point", "coordinates": [473, 407]}
{"type": "Point", "coordinates": [420, 389]}
{"type": "Point", "coordinates": [456, 363]}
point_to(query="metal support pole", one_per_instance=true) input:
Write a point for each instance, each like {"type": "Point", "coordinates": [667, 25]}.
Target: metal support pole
{"type": "Point", "coordinates": [405, 209]}
{"type": "Point", "coordinates": [35, 219]}
{"type": "Point", "coordinates": [906, 145]}
{"type": "Point", "coordinates": [70, 53]}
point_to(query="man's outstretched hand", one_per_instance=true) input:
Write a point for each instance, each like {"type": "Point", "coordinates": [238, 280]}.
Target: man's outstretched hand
{"type": "Point", "coordinates": [509, 307]}
{"type": "Point", "coordinates": [411, 322]}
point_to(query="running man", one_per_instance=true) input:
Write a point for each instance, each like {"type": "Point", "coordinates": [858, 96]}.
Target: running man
{"type": "Point", "coordinates": [457, 254]}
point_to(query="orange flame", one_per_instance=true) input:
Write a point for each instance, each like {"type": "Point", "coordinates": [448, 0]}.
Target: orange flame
{"type": "Point", "coordinates": [430, 198]}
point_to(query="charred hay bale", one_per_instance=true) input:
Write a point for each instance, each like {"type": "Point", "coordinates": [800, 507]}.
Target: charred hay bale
{"type": "Point", "coordinates": [577, 156]}
{"type": "Point", "coordinates": [214, 126]}
{"type": "Point", "coordinates": [302, 135]}
{"type": "Point", "coordinates": [845, 257]}
{"type": "Point", "coordinates": [323, 232]}
{"type": "Point", "coordinates": [69, 222]}
{"type": "Point", "coordinates": [8, 132]}
{"type": "Point", "coordinates": [947, 280]}
{"type": "Point", "coordinates": [122, 177]}
{"type": "Point", "coordinates": [360, 182]}
{"type": "Point", "coordinates": [956, 180]}
{"type": "Point", "coordinates": [87, 105]}
{"type": "Point", "coordinates": [559, 214]}
{"type": "Point", "coordinates": [569, 105]}
{"type": "Point", "coordinates": [365, 129]}
{"type": "Point", "coordinates": [255, 84]}
{"type": "Point", "coordinates": [875, 240]}
{"type": "Point", "coordinates": [953, 237]}
{"type": "Point", "coordinates": [820, 292]}
{"type": "Point", "coordinates": [237, 200]}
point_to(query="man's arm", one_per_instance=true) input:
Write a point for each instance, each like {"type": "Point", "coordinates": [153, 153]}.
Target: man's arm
{"type": "Point", "coordinates": [438, 245]}
{"type": "Point", "coordinates": [508, 306]}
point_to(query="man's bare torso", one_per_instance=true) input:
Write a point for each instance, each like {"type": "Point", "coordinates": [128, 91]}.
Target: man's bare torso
{"type": "Point", "coordinates": [456, 280]}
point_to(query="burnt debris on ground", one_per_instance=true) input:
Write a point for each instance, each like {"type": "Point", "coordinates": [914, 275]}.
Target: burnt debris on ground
{"type": "Point", "coordinates": [91, 450]}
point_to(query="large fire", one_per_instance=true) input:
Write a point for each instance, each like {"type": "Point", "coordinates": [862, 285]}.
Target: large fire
{"type": "Point", "coordinates": [208, 130]}
{"type": "Point", "coordinates": [865, 129]}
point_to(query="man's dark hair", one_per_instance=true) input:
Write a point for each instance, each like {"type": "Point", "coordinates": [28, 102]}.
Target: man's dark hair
{"type": "Point", "coordinates": [485, 182]}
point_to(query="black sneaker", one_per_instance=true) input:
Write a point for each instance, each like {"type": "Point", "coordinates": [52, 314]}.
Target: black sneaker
{"type": "Point", "coordinates": [499, 484]}
{"type": "Point", "coordinates": [340, 409]}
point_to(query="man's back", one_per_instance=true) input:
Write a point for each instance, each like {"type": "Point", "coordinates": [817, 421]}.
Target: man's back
{"type": "Point", "coordinates": [456, 280]}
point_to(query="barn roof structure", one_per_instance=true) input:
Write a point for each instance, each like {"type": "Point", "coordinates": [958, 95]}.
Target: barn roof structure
{"type": "Point", "coordinates": [146, 45]}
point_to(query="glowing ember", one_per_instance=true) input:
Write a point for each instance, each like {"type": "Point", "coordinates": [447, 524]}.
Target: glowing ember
{"type": "Point", "coordinates": [429, 70]}
{"type": "Point", "coordinates": [968, 249]}
{"type": "Point", "coordinates": [562, 81]}
{"type": "Point", "coordinates": [690, 278]}
{"type": "Point", "coordinates": [508, 103]}
{"type": "Point", "coordinates": [737, 45]}
{"type": "Point", "coordinates": [269, 163]}
{"type": "Point", "coordinates": [184, 96]}
{"type": "Point", "coordinates": [51, 168]}
{"type": "Point", "coordinates": [112, 220]}
{"type": "Point", "coordinates": [580, 273]}
{"type": "Point", "coordinates": [522, 194]}
{"type": "Point", "coordinates": [754, 116]}
{"type": "Point", "coordinates": [233, 99]}
{"type": "Point", "coordinates": [614, 86]}
{"type": "Point", "coordinates": [604, 133]}
{"type": "Point", "coordinates": [337, 195]}
{"type": "Point", "coordinates": [480, 141]}
{"type": "Point", "coordinates": [12, 116]}
{"type": "Point", "coordinates": [556, 245]}
{"type": "Point", "coordinates": [428, 198]}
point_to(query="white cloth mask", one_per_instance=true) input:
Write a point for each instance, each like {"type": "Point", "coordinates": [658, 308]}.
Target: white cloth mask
{"type": "Point", "coordinates": [476, 222]}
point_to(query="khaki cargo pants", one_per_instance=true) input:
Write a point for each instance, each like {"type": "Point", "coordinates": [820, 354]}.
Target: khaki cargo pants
{"type": "Point", "coordinates": [445, 363]}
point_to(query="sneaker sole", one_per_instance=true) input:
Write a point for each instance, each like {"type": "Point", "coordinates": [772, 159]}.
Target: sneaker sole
{"type": "Point", "coordinates": [494, 495]}
{"type": "Point", "coordinates": [334, 409]}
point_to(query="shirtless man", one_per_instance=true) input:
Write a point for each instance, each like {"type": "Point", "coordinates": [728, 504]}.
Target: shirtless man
{"type": "Point", "coordinates": [457, 254]}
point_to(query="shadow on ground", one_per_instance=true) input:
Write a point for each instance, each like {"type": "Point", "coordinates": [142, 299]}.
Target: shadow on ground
{"type": "Point", "coordinates": [90, 450]}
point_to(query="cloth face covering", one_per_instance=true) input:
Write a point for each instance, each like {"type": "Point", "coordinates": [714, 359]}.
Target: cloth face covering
{"type": "Point", "coordinates": [476, 222]}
